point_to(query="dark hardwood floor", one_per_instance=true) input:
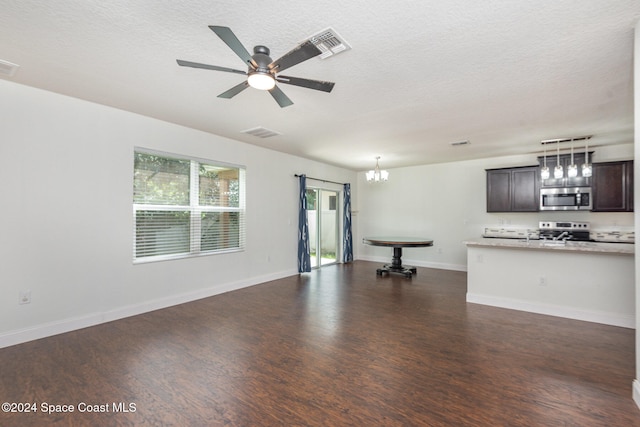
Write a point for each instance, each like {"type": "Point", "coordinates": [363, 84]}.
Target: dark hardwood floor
{"type": "Point", "coordinates": [336, 347]}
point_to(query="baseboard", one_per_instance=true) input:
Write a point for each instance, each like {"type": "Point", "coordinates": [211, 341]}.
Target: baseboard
{"type": "Point", "coordinates": [636, 392]}
{"type": "Point", "coordinates": [71, 324]}
{"type": "Point", "coordinates": [613, 319]}
{"type": "Point", "coordinates": [416, 263]}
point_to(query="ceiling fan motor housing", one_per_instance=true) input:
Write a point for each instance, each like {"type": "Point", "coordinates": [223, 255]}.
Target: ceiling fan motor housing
{"type": "Point", "coordinates": [261, 77]}
{"type": "Point", "coordinates": [261, 58]}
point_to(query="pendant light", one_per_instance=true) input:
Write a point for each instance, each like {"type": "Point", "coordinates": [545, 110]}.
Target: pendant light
{"type": "Point", "coordinates": [544, 171]}
{"type": "Point", "coordinates": [586, 166]}
{"type": "Point", "coordinates": [572, 169]}
{"type": "Point", "coordinates": [557, 171]}
{"type": "Point", "coordinates": [377, 175]}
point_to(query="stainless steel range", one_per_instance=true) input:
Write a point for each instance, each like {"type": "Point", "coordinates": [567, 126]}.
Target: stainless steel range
{"type": "Point", "coordinates": [564, 230]}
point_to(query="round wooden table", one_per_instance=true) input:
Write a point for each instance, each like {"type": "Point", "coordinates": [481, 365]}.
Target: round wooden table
{"type": "Point", "coordinates": [397, 243]}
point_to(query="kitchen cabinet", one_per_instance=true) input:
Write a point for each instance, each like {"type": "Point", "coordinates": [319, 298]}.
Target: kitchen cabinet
{"type": "Point", "coordinates": [613, 186]}
{"type": "Point", "coordinates": [513, 189]}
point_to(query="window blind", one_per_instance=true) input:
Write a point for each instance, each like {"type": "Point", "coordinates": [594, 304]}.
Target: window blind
{"type": "Point", "coordinates": [186, 207]}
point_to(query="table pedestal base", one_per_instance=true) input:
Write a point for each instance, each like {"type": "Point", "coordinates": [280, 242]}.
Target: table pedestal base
{"type": "Point", "coordinates": [396, 265]}
{"type": "Point", "coordinates": [405, 270]}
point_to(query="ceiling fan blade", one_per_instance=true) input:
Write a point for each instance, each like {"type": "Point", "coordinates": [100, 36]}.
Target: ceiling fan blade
{"type": "Point", "coordinates": [306, 50]}
{"type": "Point", "coordinates": [234, 90]}
{"type": "Point", "coordinates": [208, 67]}
{"type": "Point", "coordinates": [282, 99]}
{"type": "Point", "coordinates": [232, 41]}
{"type": "Point", "coordinates": [308, 83]}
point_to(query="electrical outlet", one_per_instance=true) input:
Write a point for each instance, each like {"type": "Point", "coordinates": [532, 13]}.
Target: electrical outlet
{"type": "Point", "coordinates": [25, 297]}
{"type": "Point", "coordinates": [440, 250]}
{"type": "Point", "coordinates": [480, 258]}
{"type": "Point", "coordinates": [542, 281]}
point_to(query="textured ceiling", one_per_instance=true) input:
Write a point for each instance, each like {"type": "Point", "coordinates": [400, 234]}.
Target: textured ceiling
{"type": "Point", "coordinates": [420, 75]}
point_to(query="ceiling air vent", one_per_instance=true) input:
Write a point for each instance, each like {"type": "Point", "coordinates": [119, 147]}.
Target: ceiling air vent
{"type": "Point", "coordinates": [458, 143]}
{"type": "Point", "coordinates": [261, 132]}
{"type": "Point", "coordinates": [8, 69]}
{"type": "Point", "coordinates": [329, 42]}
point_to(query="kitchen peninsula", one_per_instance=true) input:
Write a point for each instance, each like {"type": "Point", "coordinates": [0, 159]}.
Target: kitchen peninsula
{"type": "Point", "coordinates": [588, 281]}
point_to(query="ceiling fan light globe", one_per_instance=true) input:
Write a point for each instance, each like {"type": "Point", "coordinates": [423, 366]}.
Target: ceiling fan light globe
{"type": "Point", "coordinates": [261, 81]}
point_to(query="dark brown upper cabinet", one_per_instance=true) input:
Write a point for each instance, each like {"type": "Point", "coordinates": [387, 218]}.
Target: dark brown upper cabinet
{"type": "Point", "coordinates": [513, 189]}
{"type": "Point", "coordinates": [612, 186]}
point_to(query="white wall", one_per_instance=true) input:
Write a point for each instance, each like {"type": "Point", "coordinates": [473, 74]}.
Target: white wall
{"type": "Point", "coordinates": [447, 202]}
{"type": "Point", "coordinates": [66, 219]}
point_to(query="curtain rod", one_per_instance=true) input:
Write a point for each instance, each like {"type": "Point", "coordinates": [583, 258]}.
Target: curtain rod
{"type": "Point", "coordinates": [318, 179]}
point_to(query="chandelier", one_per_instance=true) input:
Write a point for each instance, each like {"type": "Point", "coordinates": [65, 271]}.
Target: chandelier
{"type": "Point", "coordinates": [377, 175]}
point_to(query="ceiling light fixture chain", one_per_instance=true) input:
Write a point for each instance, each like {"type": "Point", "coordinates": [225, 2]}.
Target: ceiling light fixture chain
{"type": "Point", "coordinates": [572, 169]}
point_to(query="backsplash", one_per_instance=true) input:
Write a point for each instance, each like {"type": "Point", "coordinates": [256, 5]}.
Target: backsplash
{"type": "Point", "coordinates": [612, 235]}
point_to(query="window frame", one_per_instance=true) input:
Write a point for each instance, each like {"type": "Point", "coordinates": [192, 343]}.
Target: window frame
{"type": "Point", "coordinates": [194, 208]}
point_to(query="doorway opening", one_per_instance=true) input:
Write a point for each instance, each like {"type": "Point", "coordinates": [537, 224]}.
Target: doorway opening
{"type": "Point", "coordinates": [323, 217]}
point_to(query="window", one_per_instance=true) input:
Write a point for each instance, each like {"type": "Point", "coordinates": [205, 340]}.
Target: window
{"type": "Point", "coordinates": [333, 203]}
{"type": "Point", "coordinates": [186, 207]}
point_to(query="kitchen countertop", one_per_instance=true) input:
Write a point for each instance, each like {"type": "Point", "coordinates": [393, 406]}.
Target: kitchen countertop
{"type": "Point", "coordinates": [550, 245]}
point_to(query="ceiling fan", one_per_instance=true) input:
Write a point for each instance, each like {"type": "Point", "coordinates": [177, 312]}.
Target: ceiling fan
{"type": "Point", "coordinates": [262, 71]}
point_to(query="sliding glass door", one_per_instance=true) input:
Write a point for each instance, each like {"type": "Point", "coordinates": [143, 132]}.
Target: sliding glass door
{"type": "Point", "coordinates": [323, 217]}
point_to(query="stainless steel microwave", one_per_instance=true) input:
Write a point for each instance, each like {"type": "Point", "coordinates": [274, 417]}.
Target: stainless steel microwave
{"type": "Point", "coordinates": [565, 199]}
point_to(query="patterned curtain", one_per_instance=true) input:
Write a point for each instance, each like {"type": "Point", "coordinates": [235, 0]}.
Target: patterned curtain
{"type": "Point", "coordinates": [347, 244]}
{"type": "Point", "coordinates": [304, 253]}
